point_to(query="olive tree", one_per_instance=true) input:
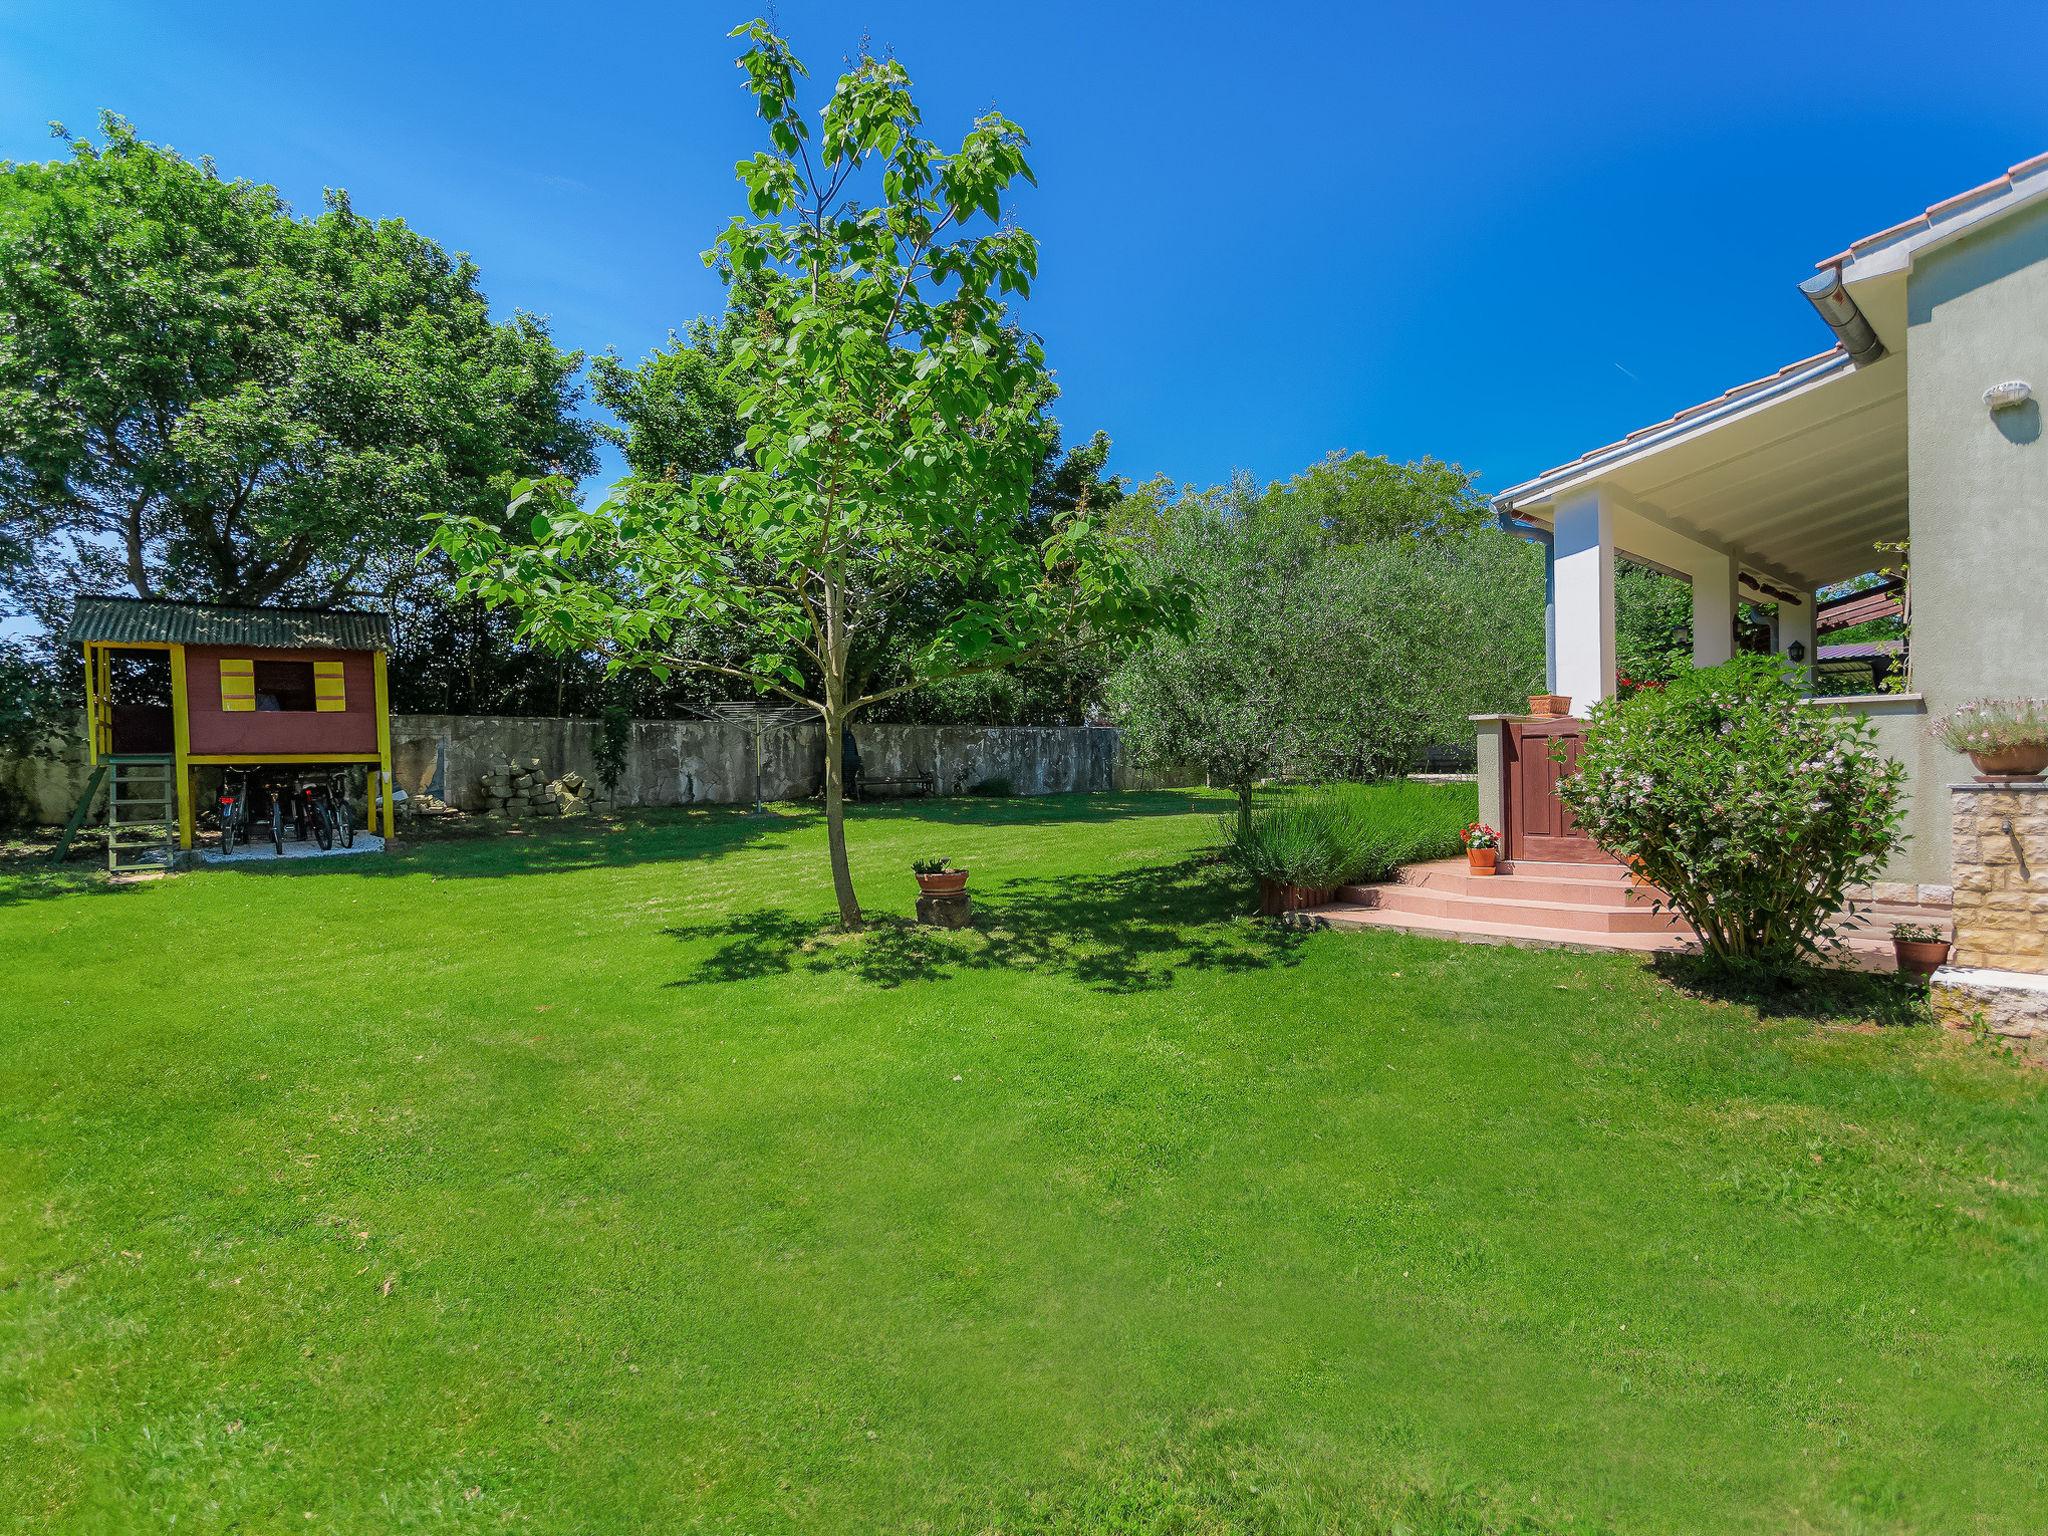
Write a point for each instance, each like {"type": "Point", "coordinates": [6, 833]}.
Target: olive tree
{"type": "Point", "coordinates": [891, 418]}
{"type": "Point", "coordinates": [1312, 653]}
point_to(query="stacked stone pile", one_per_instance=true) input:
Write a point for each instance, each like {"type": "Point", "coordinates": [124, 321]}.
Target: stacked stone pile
{"type": "Point", "coordinates": [517, 788]}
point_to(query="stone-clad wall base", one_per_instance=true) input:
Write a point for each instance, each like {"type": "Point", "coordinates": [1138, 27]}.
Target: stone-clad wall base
{"type": "Point", "coordinates": [2000, 853]}
{"type": "Point", "coordinates": [2010, 1005]}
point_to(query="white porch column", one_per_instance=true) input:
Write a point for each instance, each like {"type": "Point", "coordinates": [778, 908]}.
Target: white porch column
{"type": "Point", "coordinates": [1796, 624]}
{"type": "Point", "coordinates": [1714, 597]}
{"type": "Point", "coordinates": [1583, 572]}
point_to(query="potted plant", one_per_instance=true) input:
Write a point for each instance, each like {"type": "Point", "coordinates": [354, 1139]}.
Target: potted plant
{"type": "Point", "coordinates": [1920, 948]}
{"type": "Point", "coordinates": [2007, 739]}
{"type": "Point", "coordinates": [1300, 849]}
{"type": "Point", "coordinates": [1482, 848]}
{"type": "Point", "coordinates": [1550, 706]}
{"type": "Point", "coordinates": [938, 877]}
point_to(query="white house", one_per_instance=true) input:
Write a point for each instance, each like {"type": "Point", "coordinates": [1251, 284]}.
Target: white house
{"type": "Point", "coordinates": [1922, 421]}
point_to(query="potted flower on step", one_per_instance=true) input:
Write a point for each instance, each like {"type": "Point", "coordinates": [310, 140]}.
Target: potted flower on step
{"type": "Point", "coordinates": [2007, 739]}
{"type": "Point", "coordinates": [938, 877]}
{"type": "Point", "coordinates": [1920, 948]}
{"type": "Point", "coordinates": [1482, 848]}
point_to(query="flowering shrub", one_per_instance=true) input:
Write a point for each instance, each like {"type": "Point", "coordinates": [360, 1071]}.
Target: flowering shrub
{"type": "Point", "coordinates": [1751, 811]}
{"type": "Point", "coordinates": [1991, 725]}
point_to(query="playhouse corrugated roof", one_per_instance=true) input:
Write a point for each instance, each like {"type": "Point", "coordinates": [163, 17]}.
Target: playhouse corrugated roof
{"type": "Point", "coordinates": [156, 621]}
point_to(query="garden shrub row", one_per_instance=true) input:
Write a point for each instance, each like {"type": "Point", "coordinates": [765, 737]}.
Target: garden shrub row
{"type": "Point", "coordinates": [1346, 834]}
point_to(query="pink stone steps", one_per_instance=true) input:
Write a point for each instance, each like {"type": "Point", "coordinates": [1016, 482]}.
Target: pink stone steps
{"type": "Point", "coordinates": [1572, 906]}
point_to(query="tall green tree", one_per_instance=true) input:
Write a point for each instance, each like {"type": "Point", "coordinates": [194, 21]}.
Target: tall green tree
{"type": "Point", "coordinates": [1362, 498]}
{"type": "Point", "coordinates": [202, 395]}
{"type": "Point", "coordinates": [1316, 653]}
{"type": "Point", "coordinates": [678, 410]}
{"type": "Point", "coordinates": [892, 421]}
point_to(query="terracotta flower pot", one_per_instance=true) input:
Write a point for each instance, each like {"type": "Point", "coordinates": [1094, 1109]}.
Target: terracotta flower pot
{"type": "Point", "coordinates": [948, 882]}
{"type": "Point", "coordinates": [1277, 899]}
{"type": "Point", "coordinates": [1484, 861]}
{"type": "Point", "coordinates": [1550, 706]}
{"type": "Point", "coordinates": [1920, 957]}
{"type": "Point", "coordinates": [2017, 763]}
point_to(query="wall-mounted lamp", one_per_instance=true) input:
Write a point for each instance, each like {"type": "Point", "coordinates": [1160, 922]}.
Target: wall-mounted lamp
{"type": "Point", "coordinates": [1797, 651]}
{"type": "Point", "coordinates": [2003, 397]}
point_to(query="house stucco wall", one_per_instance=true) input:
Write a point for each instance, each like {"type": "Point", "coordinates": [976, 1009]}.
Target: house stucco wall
{"type": "Point", "coordinates": [1977, 484]}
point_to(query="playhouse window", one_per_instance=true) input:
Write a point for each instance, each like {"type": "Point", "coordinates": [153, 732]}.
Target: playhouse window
{"type": "Point", "coordinates": [285, 685]}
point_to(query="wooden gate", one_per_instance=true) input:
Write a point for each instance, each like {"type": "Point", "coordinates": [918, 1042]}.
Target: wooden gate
{"type": "Point", "coordinates": [1539, 824]}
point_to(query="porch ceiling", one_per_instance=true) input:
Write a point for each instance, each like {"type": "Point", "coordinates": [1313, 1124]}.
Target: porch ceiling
{"type": "Point", "coordinates": [1797, 476]}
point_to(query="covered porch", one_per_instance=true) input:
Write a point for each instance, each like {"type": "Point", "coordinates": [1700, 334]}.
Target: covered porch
{"type": "Point", "coordinates": [1766, 495]}
{"type": "Point", "coordinates": [1769, 493]}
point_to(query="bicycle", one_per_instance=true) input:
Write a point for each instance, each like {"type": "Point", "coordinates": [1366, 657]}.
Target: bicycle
{"type": "Point", "coordinates": [321, 806]}
{"type": "Point", "coordinates": [234, 809]}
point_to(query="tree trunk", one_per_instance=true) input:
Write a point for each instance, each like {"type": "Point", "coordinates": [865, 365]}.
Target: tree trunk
{"type": "Point", "coordinates": [835, 813]}
{"type": "Point", "coordinates": [1244, 809]}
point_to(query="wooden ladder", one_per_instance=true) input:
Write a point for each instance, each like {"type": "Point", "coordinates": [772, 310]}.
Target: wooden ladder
{"type": "Point", "coordinates": [142, 813]}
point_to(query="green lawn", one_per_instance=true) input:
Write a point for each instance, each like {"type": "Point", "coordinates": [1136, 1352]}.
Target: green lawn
{"type": "Point", "coordinates": [586, 1181]}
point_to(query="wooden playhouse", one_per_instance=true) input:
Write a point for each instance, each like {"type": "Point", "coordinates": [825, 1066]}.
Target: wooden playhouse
{"type": "Point", "coordinates": [227, 687]}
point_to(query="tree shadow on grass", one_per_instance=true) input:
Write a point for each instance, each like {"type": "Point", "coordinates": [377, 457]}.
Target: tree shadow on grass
{"type": "Point", "coordinates": [1823, 994]}
{"type": "Point", "coordinates": [482, 850]}
{"type": "Point", "coordinates": [30, 876]}
{"type": "Point", "coordinates": [1127, 931]}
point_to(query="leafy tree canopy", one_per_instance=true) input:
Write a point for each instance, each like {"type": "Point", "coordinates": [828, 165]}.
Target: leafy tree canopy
{"type": "Point", "coordinates": [1362, 498]}
{"type": "Point", "coordinates": [891, 423]}
{"type": "Point", "coordinates": [1312, 656]}
{"type": "Point", "coordinates": [202, 395]}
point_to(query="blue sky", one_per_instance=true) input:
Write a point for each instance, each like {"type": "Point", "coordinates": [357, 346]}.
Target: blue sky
{"type": "Point", "coordinates": [1500, 234]}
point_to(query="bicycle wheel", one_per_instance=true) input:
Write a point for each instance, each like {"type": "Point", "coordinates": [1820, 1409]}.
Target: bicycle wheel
{"type": "Point", "coordinates": [345, 822]}
{"type": "Point", "coordinates": [321, 827]}
{"type": "Point", "coordinates": [277, 824]}
{"type": "Point", "coordinates": [227, 830]}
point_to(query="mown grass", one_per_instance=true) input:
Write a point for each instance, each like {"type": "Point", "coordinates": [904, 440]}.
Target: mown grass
{"type": "Point", "coordinates": [588, 1181]}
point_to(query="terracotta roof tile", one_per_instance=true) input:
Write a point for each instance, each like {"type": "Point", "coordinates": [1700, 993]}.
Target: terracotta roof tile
{"type": "Point", "coordinates": [1934, 211]}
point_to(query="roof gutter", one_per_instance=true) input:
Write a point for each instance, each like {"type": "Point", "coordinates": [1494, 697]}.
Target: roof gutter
{"type": "Point", "coordinates": [1829, 295]}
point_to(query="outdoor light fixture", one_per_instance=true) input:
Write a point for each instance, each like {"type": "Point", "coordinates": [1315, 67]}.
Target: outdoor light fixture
{"type": "Point", "coordinates": [1797, 651]}
{"type": "Point", "coordinates": [2003, 397]}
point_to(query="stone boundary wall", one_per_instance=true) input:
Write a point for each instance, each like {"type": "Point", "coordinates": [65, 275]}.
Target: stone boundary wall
{"type": "Point", "coordinates": [685, 762]}
{"type": "Point", "coordinates": [711, 762]}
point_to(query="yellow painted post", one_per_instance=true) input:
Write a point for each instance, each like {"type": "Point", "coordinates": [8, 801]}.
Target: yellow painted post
{"type": "Point", "coordinates": [181, 746]}
{"type": "Point", "coordinates": [106, 725]}
{"type": "Point", "coordinates": [383, 741]}
{"type": "Point", "coordinates": [92, 708]}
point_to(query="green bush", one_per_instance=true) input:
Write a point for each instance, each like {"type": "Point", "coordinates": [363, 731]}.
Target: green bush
{"type": "Point", "coordinates": [1753, 811]}
{"type": "Point", "coordinates": [1345, 834]}
{"type": "Point", "coordinates": [996, 786]}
